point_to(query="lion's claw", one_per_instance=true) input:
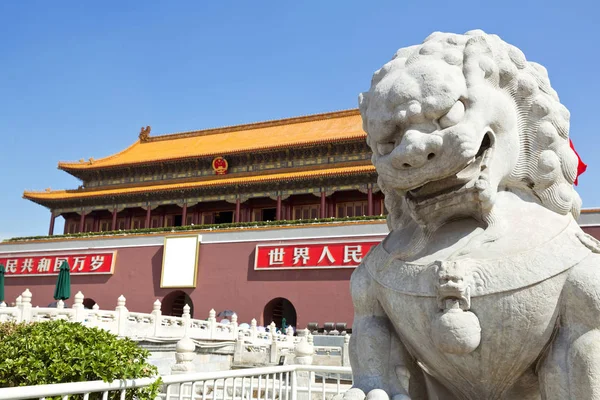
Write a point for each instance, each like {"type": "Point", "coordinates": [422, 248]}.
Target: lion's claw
{"type": "Point", "coordinates": [375, 394]}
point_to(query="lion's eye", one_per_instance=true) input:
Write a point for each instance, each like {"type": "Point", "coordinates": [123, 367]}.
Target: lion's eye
{"type": "Point", "coordinates": [453, 116]}
{"type": "Point", "coordinates": [385, 148]}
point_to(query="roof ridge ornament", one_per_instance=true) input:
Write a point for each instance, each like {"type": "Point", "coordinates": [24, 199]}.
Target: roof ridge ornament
{"type": "Point", "coordinates": [144, 133]}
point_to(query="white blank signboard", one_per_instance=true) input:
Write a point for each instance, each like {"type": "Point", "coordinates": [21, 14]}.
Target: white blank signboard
{"type": "Point", "coordinates": [180, 259]}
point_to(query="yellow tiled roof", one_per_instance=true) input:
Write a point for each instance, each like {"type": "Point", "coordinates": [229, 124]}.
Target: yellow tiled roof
{"type": "Point", "coordinates": [83, 193]}
{"type": "Point", "coordinates": [312, 129]}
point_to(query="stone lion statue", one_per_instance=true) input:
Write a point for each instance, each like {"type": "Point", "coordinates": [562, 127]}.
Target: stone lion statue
{"type": "Point", "coordinates": [486, 288]}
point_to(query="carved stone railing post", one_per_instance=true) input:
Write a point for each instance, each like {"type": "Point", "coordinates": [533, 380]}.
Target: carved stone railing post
{"type": "Point", "coordinates": [253, 330]}
{"type": "Point", "coordinates": [122, 316]}
{"type": "Point", "coordinates": [78, 308]}
{"type": "Point", "coordinates": [234, 326]}
{"type": "Point", "coordinates": [238, 350]}
{"type": "Point", "coordinates": [273, 348]}
{"type": "Point", "coordinates": [212, 323]}
{"type": "Point", "coordinates": [94, 316]}
{"type": "Point", "coordinates": [184, 357]}
{"type": "Point", "coordinates": [60, 305]}
{"type": "Point", "coordinates": [24, 304]}
{"type": "Point", "coordinates": [157, 316]}
{"type": "Point", "coordinates": [19, 307]}
{"type": "Point", "coordinates": [186, 320]}
{"type": "Point", "coordinates": [303, 355]}
{"type": "Point", "coordinates": [3, 316]}
{"type": "Point", "coordinates": [346, 351]}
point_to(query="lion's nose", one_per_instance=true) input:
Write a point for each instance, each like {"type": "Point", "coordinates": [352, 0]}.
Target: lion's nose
{"type": "Point", "coordinates": [416, 149]}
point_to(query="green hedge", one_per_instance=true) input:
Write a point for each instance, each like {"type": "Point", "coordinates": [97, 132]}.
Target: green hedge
{"type": "Point", "coordinates": [198, 227]}
{"type": "Point", "coordinates": [60, 352]}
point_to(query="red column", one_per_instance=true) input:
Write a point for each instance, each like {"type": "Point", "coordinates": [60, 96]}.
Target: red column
{"type": "Point", "coordinates": [52, 219]}
{"type": "Point", "coordinates": [184, 215]}
{"type": "Point", "coordinates": [289, 212]}
{"type": "Point", "coordinates": [148, 215]}
{"type": "Point", "coordinates": [82, 221]}
{"type": "Point", "coordinates": [278, 213]}
{"type": "Point", "coordinates": [113, 226]}
{"type": "Point", "coordinates": [237, 210]}
{"type": "Point", "coordinates": [370, 200]}
{"type": "Point", "coordinates": [323, 205]}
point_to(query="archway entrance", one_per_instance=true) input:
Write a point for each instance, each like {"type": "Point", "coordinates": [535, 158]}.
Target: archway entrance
{"type": "Point", "coordinates": [174, 302]}
{"type": "Point", "coordinates": [278, 309]}
{"type": "Point", "coordinates": [88, 303]}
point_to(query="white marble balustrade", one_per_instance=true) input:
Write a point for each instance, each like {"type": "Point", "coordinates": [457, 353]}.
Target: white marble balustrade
{"type": "Point", "coordinates": [153, 325]}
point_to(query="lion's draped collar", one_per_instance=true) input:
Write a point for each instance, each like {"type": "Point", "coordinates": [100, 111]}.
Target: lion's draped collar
{"type": "Point", "coordinates": [485, 276]}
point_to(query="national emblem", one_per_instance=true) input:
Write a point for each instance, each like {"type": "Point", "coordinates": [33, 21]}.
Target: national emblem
{"type": "Point", "coordinates": [220, 165]}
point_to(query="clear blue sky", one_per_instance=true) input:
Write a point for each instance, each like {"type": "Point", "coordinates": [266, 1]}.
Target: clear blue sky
{"type": "Point", "coordinates": [78, 79]}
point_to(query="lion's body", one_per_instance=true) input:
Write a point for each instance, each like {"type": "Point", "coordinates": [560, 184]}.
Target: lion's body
{"type": "Point", "coordinates": [486, 288]}
{"type": "Point", "coordinates": [518, 309]}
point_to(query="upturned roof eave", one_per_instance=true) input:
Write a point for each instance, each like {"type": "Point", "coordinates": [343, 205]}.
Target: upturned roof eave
{"type": "Point", "coordinates": [78, 170]}
{"type": "Point", "coordinates": [50, 203]}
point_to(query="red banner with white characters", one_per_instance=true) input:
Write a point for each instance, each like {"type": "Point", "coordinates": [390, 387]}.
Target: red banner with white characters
{"type": "Point", "coordinates": [312, 255]}
{"type": "Point", "coordinates": [44, 265]}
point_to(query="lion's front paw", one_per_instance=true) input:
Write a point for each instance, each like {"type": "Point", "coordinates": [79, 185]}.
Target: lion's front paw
{"type": "Point", "coordinates": [351, 394]}
{"type": "Point", "coordinates": [375, 394]}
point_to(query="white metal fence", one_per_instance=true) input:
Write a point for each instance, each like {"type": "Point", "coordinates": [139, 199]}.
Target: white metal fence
{"type": "Point", "coordinates": [293, 382]}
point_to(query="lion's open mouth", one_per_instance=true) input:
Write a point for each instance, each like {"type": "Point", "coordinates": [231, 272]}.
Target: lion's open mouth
{"type": "Point", "coordinates": [455, 182]}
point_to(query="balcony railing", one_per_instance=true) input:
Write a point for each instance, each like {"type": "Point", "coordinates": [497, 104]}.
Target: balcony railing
{"type": "Point", "coordinates": [234, 225]}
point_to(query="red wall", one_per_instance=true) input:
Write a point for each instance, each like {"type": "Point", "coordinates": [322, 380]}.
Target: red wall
{"type": "Point", "coordinates": [226, 280]}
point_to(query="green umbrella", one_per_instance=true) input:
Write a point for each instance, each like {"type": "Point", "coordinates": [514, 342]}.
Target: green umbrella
{"type": "Point", "coordinates": [63, 282]}
{"type": "Point", "coordinates": [2, 270]}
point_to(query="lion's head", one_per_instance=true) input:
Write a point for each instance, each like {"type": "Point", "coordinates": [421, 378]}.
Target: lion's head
{"type": "Point", "coordinates": [456, 120]}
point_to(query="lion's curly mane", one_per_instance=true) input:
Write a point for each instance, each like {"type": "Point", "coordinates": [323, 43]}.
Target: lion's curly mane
{"type": "Point", "coordinates": [546, 166]}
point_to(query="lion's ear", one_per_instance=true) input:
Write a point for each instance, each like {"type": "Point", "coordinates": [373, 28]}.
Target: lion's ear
{"type": "Point", "coordinates": [363, 102]}
{"type": "Point", "coordinates": [363, 105]}
{"type": "Point", "coordinates": [478, 46]}
{"type": "Point", "coordinates": [479, 60]}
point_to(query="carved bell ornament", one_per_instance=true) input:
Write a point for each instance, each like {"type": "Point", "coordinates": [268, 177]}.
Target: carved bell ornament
{"type": "Point", "coordinates": [454, 330]}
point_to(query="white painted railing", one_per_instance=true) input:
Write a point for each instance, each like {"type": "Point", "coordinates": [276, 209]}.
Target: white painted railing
{"type": "Point", "coordinates": [294, 382]}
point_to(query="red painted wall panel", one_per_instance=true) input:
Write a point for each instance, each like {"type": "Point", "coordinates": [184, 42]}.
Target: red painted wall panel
{"type": "Point", "coordinates": [226, 280]}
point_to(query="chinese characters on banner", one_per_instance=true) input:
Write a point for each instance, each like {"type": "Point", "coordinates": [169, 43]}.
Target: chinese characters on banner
{"type": "Point", "coordinates": [41, 265]}
{"type": "Point", "coordinates": [311, 255]}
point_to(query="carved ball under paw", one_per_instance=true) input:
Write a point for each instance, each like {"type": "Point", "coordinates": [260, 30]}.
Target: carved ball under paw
{"type": "Point", "coordinates": [354, 394]}
{"type": "Point", "coordinates": [378, 394]}
{"type": "Point", "coordinates": [456, 331]}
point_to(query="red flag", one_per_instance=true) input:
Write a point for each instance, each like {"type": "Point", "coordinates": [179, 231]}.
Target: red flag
{"type": "Point", "coordinates": [581, 166]}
